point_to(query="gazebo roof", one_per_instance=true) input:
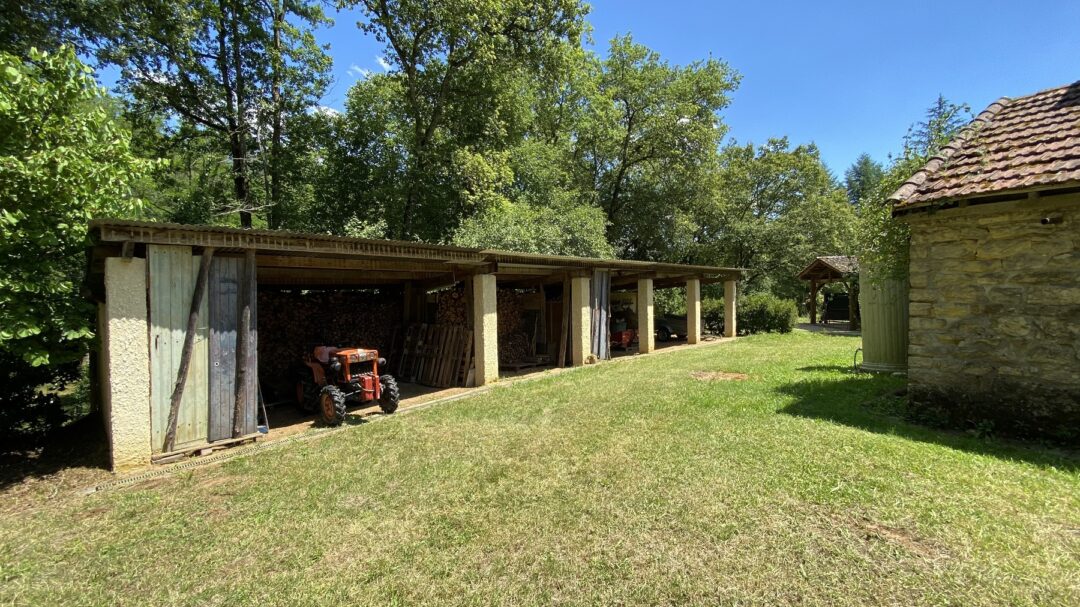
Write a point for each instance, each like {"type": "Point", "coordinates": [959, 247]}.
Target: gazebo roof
{"type": "Point", "coordinates": [830, 267]}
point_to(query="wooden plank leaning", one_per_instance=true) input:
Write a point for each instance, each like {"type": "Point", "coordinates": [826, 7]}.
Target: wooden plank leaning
{"type": "Point", "coordinates": [244, 360]}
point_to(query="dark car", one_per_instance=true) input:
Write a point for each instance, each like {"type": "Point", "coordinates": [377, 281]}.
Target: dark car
{"type": "Point", "coordinates": [668, 326]}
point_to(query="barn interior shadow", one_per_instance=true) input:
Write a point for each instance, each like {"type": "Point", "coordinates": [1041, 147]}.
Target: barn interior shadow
{"type": "Point", "coordinates": [877, 407]}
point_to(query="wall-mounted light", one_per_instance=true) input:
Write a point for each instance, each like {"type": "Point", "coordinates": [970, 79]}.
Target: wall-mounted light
{"type": "Point", "coordinates": [1051, 219]}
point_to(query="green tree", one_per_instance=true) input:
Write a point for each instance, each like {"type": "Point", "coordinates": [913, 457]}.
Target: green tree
{"type": "Point", "coordinates": [455, 67]}
{"type": "Point", "coordinates": [943, 121]}
{"type": "Point", "coordinates": [862, 177]}
{"type": "Point", "coordinates": [560, 229]}
{"type": "Point", "coordinates": [884, 241]}
{"type": "Point", "coordinates": [648, 143]}
{"type": "Point", "coordinates": [63, 160]}
{"type": "Point", "coordinates": [231, 68]}
{"type": "Point", "coordinates": [46, 25]}
{"type": "Point", "coordinates": [774, 209]}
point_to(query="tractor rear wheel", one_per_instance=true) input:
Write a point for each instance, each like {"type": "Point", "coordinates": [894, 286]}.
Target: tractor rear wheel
{"type": "Point", "coordinates": [389, 394]}
{"type": "Point", "coordinates": [307, 394]}
{"type": "Point", "coordinates": [332, 405]}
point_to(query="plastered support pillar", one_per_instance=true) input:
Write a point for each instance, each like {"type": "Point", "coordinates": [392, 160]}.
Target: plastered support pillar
{"type": "Point", "coordinates": [729, 309]}
{"type": "Point", "coordinates": [580, 321]}
{"type": "Point", "coordinates": [646, 337]}
{"type": "Point", "coordinates": [126, 384]}
{"type": "Point", "coordinates": [693, 311]}
{"type": "Point", "coordinates": [485, 329]}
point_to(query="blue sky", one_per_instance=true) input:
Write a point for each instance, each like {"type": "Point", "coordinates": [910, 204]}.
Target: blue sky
{"type": "Point", "coordinates": [849, 76]}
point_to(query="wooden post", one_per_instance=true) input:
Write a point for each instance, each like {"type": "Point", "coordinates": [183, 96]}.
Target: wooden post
{"type": "Point", "coordinates": [851, 306]}
{"type": "Point", "coordinates": [243, 343]}
{"type": "Point", "coordinates": [813, 302]}
{"type": "Point", "coordinates": [407, 312]}
{"type": "Point", "coordinates": [185, 353]}
{"type": "Point", "coordinates": [564, 329]}
{"type": "Point", "coordinates": [542, 332]}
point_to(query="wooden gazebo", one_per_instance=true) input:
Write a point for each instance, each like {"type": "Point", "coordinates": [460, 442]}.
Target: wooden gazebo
{"type": "Point", "coordinates": [831, 268]}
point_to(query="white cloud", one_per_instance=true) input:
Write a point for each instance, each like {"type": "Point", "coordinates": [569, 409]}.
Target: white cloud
{"type": "Point", "coordinates": [358, 72]}
{"type": "Point", "coordinates": [325, 110]}
{"type": "Point", "coordinates": [383, 63]}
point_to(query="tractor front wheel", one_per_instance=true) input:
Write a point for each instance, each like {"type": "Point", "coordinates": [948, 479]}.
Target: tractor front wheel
{"type": "Point", "coordinates": [389, 394]}
{"type": "Point", "coordinates": [332, 405]}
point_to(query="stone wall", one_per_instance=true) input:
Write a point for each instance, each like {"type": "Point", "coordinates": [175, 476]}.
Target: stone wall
{"type": "Point", "coordinates": [995, 316]}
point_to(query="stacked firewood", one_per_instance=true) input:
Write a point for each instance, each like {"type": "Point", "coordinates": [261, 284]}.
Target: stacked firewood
{"type": "Point", "coordinates": [451, 307]}
{"type": "Point", "coordinates": [515, 343]}
{"type": "Point", "coordinates": [510, 309]}
{"type": "Point", "coordinates": [514, 348]}
{"type": "Point", "coordinates": [291, 323]}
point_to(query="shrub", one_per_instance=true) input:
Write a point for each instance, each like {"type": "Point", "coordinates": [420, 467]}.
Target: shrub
{"type": "Point", "coordinates": [712, 315]}
{"type": "Point", "coordinates": [30, 401]}
{"type": "Point", "coordinates": [766, 313]}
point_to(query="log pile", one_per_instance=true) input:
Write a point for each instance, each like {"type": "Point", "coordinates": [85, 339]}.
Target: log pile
{"type": "Point", "coordinates": [452, 307]}
{"type": "Point", "coordinates": [290, 323]}
{"type": "Point", "coordinates": [510, 310]}
{"type": "Point", "coordinates": [516, 345]}
{"type": "Point", "coordinates": [514, 348]}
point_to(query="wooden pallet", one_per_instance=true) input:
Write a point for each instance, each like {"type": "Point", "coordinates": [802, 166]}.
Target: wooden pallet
{"type": "Point", "coordinates": [435, 355]}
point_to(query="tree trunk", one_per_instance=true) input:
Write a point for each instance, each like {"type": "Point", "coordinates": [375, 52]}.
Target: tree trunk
{"type": "Point", "coordinates": [240, 180]}
{"type": "Point", "coordinates": [238, 138]}
{"type": "Point", "coordinates": [243, 343]}
{"type": "Point", "coordinates": [277, 100]}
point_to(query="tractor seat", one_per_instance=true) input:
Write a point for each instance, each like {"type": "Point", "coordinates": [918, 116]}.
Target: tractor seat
{"type": "Point", "coordinates": [323, 353]}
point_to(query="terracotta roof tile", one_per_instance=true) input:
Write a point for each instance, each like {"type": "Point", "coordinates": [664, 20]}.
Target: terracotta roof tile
{"type": "Point", "coordinates": [1014, 144]}
{"type": "Point", "coordinates": [842, 265]}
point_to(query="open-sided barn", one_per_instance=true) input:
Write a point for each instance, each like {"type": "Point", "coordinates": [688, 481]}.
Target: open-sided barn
{"type": "Point", "coordinates": [196, 321]}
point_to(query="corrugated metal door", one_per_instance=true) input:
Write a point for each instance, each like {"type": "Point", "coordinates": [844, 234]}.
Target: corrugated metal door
{"type": "Point", "coordinates": [884, 306]}
{"type": "Point", "coordinates": [224, 290]}
{"type": "Point", "coordinates": [171, 284]}
{"type": "Point", "coordinates": [227, 282]}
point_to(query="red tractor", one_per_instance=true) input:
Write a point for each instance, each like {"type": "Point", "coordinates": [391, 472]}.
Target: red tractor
{"type": "Point", "coordinates": [332, 377]}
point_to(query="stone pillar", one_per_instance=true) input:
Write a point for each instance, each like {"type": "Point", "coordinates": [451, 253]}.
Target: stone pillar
{"type": "Point", "coordinates": [693, 311]}
{"type": "Point", "coordinates": [580, 321]}
{"type": "Point", "coordinates": [729, 308]}
{"type": "Point", "coordinates": [646, 336]}
{"type": "Point", "coordinates": [126, 347]}
{"type": "Point", "coordinates": [485, 329]}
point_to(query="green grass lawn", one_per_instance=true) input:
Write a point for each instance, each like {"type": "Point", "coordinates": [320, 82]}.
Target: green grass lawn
{"type": "Point", "coordinates": [623, 483]}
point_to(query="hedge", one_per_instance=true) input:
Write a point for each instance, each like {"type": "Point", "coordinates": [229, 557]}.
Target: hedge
{"type": "Point", "coordinates": [758, 313]}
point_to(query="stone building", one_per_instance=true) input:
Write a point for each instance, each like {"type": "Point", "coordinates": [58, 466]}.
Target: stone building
{"type": "Point", "coordinates": [995, 270]}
